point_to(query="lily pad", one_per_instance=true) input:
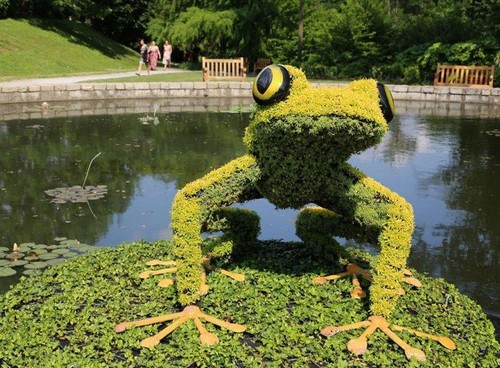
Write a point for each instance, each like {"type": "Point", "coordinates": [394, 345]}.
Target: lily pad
{"type": "Point", "coordinates": [52, 262]}
{"type": "Point", "coordinates": [7, 271]}
{"type": "Point", "coordinates": [40, 246]}
{"type": "Point", "coordinates": [32, 272]}
{"type": "Point", "coordinates": [60, 251]}
{"type": "Point", "coordinates": [48, 256]}
{"type": "Point", "coordinates": [37, 252]}
{"type": "Point", "coordinates": [4, 262]}
{"type": "Point", "coordinates": [70, 254]}
{"type": "Point", "coordinates": [60, 239]}
{"type": "Point", "coordinates": [31, 258]}
{"type": "Point", "coordinates": [36, 265]}
{"type": "Point", "coordinates": [18, 263]}
{"type": "Point", "coordinates": [4, 249]}
{"type": "Point", "coordinates": [70, 242]}
{"type": "Point", "coordinates": [14, 255]}
{"type": "Point", "coordinates": [29, 245]}
{"type": "Point", "coordinates": [77, 194]}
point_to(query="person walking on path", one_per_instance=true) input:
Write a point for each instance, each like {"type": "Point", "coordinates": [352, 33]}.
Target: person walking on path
{"type": "Point", "coordinates": [154, 55]}
{"type": "Point", "coordinates": [143, 60]}
{"type": "Point", "coordinates": [167, 55]}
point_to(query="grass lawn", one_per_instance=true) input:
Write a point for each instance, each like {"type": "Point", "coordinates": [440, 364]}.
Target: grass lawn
{"type": "Point", "coordinates": [184, 76]}
{"type": "Point", "coordinates": [48, 48]}
{"type": "Point", "coordinates": [54, 48]}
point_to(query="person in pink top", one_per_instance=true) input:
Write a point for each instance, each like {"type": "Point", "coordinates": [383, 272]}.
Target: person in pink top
{"type": "Point", "coordinates": [154, 55]}
{"type": "Point", "coordinates": [167, 55]}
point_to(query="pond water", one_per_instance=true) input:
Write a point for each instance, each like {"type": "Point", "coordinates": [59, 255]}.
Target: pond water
{"type": "Point", "coordinates": [448, 168]}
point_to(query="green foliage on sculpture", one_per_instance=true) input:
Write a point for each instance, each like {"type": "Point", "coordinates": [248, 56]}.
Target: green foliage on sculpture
{"type": "Point", "coordinates": [299, 141]}
{"type": "Point", "coordinates": [298, 144]}
{"type": "Point", "coordinates": [196, 209]}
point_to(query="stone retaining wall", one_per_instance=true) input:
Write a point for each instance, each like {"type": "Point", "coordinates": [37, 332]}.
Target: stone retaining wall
{"type": "Point", "coordinates": [119, 98]}
{"type": "Point", "coordinates": [98, 91]}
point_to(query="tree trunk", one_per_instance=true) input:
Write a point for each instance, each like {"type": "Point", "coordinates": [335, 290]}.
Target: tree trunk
{"type": "Point", "coordinates": [301, 30]}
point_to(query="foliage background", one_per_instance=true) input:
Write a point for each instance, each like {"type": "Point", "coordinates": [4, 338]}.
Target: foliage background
{"type": "Point", "coordinates": [392, 40]}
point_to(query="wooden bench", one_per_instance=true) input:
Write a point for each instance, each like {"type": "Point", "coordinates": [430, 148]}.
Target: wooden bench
{"type": "Point", "coordinates": [260, 64]}
{"type": "Point", "coordinates": [464, 76]}
{"type": "Point", "coordinates": [223, 69]}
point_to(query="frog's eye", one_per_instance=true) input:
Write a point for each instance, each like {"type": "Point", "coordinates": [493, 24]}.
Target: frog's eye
{"type": "Point", "coordinates": [386, 102]}
{"type": "Point", "coordinates": [271, 85]}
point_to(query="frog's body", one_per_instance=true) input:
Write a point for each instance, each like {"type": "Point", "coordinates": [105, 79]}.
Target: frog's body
{"type": "Point", "coordinates": [297, 152]}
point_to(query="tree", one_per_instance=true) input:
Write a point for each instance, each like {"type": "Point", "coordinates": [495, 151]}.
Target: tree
{"type": "Point", "coordinates": [204, 29]}
{"type": "Point", "coordinates": [221, 28]}
{"type": "Point", "coordinates": [4, 6]}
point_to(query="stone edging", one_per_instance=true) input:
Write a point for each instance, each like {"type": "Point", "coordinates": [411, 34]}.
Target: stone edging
{"type": "Point", "coordinates": [145, 98]}
{"type": "Point", "coordinates": [114, 91]}
{"type": "Point", "coordinates": [158, 90]}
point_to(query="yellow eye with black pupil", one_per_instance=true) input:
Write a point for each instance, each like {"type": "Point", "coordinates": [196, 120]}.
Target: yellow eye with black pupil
{"type": "Point", "coordinates": [386, 102]}
{"type": "Point", "coordinates": [271, 85]}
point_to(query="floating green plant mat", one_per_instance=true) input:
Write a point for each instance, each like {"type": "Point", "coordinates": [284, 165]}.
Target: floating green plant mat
{"type": "Point", "coordinates": [30, 258]}
{"type": "Point", "coordinates": [494, 132]}
{"type": "Point", "coordinates": [77, 194]}
{"type": "Point", "coordinates": [66, 316]}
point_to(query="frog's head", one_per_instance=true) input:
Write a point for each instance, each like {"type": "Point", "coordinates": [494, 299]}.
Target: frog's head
{"type": "Point", "coordinates": [335, 122]}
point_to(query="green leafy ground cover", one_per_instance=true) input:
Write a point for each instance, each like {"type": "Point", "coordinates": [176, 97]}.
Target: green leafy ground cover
{"type": "Point", "coordinates": [66, 316]}
{"type": "Point", "coordinates": [47, 48]}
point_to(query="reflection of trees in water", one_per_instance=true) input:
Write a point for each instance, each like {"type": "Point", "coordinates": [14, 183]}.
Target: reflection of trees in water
{"type": "Point", "coordinates": [400, 142]}
{"type": "Point", "coordinates": [181, 148]}
{"type": "Point", "coordinates": [469, 252]}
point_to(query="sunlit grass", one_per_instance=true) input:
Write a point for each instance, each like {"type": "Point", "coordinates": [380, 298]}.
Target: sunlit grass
{"type": "Point", "coordinates": [43, 48]}
{"type": "Point", "coordinates": [181, 76]}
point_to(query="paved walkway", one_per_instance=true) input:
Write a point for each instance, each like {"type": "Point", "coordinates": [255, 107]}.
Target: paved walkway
{"type": "Point", "coordinates": [82, 78]}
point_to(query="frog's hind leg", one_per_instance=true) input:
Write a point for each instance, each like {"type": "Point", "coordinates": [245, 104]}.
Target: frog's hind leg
{"type": "Point", "coordinates": [240, 228]}
{"type": "Point", "coordinates": [387, 221]}
{"type": "Point", "coordinates": [197, 208]}
{"type": "Point", "coordinates": [317, 226]}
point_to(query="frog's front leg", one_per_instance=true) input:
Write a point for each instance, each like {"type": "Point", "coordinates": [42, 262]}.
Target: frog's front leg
{"type": "Point", "coordinates": [201, 206]}
{"type": "Point", "coordinates": [385, 219]}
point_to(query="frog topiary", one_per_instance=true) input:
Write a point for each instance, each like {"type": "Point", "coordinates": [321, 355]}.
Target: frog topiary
{"type": "Point", "coordinates": [298, 144]}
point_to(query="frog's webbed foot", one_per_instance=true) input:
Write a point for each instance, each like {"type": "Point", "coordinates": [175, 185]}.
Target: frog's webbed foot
{"type": "Point", "coordinates": [172, 268]}
{"type": "Point", "coordinates": [360, 345]}
{"type": "Point", "coordinates": [355, 272]}
{"type": "Point", "coordinates": [191, 312]}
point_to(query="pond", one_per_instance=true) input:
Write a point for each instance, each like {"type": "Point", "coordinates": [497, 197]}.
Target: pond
{"type": "Point", "coordinates": [448, 168]}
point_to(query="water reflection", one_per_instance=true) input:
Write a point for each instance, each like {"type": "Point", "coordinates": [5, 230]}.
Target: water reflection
{"type": "Point", "coordinates": [448, 168]}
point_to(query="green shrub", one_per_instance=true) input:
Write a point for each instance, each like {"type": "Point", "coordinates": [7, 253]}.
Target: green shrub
{"type": "Point", "coordinates": [411, 75]}
{"type": "Point", "coordinates": [417, 64]}
{"type": "Point", "coordinates": [66, 316]}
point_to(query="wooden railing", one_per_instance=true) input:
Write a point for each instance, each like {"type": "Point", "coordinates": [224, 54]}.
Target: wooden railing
{"type": "Point", "coordinates": [464, 76]}
{"type": "Point", "coordinates": [223, 69]}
